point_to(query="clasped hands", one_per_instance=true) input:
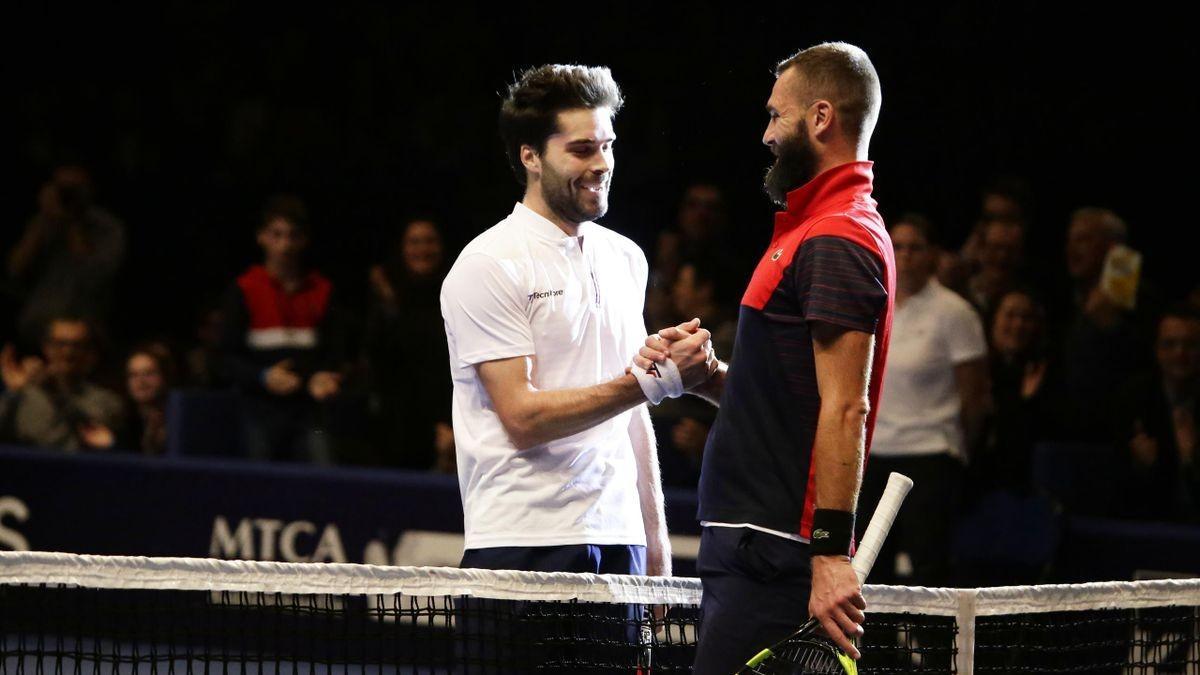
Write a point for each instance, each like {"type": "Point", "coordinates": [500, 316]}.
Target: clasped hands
{"type": "Point", "coordinates": [674, 360]}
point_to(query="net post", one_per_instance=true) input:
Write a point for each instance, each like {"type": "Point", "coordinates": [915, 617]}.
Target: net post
{"type": "Point", "coordinates": [964, 638]}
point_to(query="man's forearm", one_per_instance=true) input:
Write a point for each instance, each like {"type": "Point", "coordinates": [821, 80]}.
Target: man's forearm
{"type": "Point", "coordinates": [548, 415]}
{"type": "Point", "coordinates": [649, 483]}
{"type": "Point", "coordinates": [711, 389]}
{"type": "Point", "coordinates": [838, 455]}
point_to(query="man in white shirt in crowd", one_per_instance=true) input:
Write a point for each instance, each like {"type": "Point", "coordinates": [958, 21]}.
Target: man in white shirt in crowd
{"type": "Point", "coordinates": [933, 408]}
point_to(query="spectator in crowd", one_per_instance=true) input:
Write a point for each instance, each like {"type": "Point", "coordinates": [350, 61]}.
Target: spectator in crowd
{"type": "Point", "coordinates": [66, 261]}
{"type": "Point", "coordinates": [406, 351]}
{"type": "Point", "coordinates": [149, 375]}
{"type": "Point", "coordinates": [681, 425]}
{"type": "Point", "coordinates": [701, 220]}
{"type": "Point", "coordinates": [933, 405]}
{"type": "Point", "coordinates": [203, 360]}
{"type": "Point", "coordinates": [53, 403]}
{"type": "Point", "coordinates": [1004, 202]}
{"type": "Point", "coordinates": [700, 290]}
{"type": "Point", "coordinates": [1157, 425]}
{"type": "Point", "coordinates": [1001, 253]}
{"type": "Point", "coordinates": [283, 342]}
{"type": "Point", "coordinates": [1100, 344]}
{"type": "Point", "coordinates": [1020, 396]}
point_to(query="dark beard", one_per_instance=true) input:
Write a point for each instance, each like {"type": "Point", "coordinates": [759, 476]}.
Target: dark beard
{"type": "Point", "coordinates": [795, 165]}
{"type": "Point", "coordinates": [556, 190]}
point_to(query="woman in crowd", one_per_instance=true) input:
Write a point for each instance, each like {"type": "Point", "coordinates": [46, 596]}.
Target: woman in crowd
{"type": "Point", "coordinates": [406, 351]}
{"type": "Point", "coordinates": [149, 374]}
{"type": "Point", "coordinates": [1020, 416]}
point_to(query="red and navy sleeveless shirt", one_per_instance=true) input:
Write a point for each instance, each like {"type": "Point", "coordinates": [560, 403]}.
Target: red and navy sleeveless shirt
{"type": "Point", "coordinates": [830, 260]}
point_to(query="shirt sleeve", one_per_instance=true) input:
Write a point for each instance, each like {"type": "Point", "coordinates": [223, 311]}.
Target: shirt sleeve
{"type": "Point", "coordinates": [964, 335]}
{"type": "Point", "coordinates": [839, 282]}
{"type": "Point", "coordinates": [484, 310]}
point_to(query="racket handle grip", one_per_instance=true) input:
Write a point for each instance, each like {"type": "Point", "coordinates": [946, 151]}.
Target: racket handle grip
{"type": "Point", "coordinates": [881, 522]}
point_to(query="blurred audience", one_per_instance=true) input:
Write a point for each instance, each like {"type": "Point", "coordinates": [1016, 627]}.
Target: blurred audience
{"type": "Point", "coordinates": [406, 352]}
{"type": "Point", "coordinates": [1004, 202]}
{"type": "Point", "coordinates": [932, 408]}
{"type": "Point", "coordinates": [1156, 431]}
{"type": "Point", "coordinates": [1021, 402]}
{"type": "Point", "coordinates": [700, 290]}
{"type": "Point", "coordinates": [67, 259]}
{"type": "Point", "coordinates": [1001, 251]}
{"type": "Point", "coordinates": [1100, 343]}
{"type": "Point", "coordinates": [149, 374]}
{"type": "Point", "coordinates": [700, 223]}
{"type": "Point", "coordinates": [282, 341]}
{"type": "Point", "coordinates": [203, 361]}
{"type": "Point", "coordinates": [54, 403]}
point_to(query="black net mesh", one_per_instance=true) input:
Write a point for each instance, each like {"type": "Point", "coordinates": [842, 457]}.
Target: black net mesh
{"type": "Point", "coordinates": [47, 629]}
{"type": "Point", "coordinates": [907, 643]}
{"type": "Point", "coordinates": [1118, 641]}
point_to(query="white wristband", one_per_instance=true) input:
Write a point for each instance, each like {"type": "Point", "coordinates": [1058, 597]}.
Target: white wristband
{"type": "Point", "coordinates": [660, 382]}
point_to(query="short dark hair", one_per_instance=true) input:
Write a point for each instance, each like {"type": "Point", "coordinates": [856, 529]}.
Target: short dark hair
{"type": "Point", "coordinates": [920, 223]}
{"type": "Point", "coordinates": [162, 356]}
{"type": "Point", "coordinates": [844, 75]}
{"type": "Point", "coordinates": [1013, 188]}
{"type": "Point", "coordinates": [1182, 311]}
{"type": "Point", "coordinates": [529, 115]}
{"type": "Point", "coordinates": [287, 207]}
{"type": "Point", "coordinates": [87, 323]}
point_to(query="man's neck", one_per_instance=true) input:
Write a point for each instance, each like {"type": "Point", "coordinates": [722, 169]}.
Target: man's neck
{"type": "Point", "coordinates": [534, 202]}
{"type": "Point", "coordinates": [66, 381]}
{"type": "Point", "coordinates": [906, 291]}
{"type": "Point", "coordinates": [1180, 391]}
{"type": "Point", "coordinates": [286, 273]}
{"type": "Point", "coordinates": [837, 156]}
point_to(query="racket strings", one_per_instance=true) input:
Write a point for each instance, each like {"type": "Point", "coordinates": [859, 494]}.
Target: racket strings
{"type": "Point", "coordinates": [803, 657]}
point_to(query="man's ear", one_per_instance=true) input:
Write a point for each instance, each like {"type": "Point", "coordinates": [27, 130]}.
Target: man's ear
{"type": "Point", "coordinates": [531, 160]}
{"type": "Point", "coordinates": [822, 116]}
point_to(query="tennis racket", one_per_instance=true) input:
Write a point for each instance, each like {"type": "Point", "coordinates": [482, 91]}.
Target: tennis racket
{"type": "Point", "coordinates": [802, 653]}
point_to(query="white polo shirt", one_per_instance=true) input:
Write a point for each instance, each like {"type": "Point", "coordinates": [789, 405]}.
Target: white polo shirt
{"type": "Point", "coordinates": [524, 287]}
{"type": "Point", "coordinates": [920, 408]}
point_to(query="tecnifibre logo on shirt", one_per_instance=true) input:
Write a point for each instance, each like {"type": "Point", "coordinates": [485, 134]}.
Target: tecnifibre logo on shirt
{"type": "Point", "coordinates": [540, 295]}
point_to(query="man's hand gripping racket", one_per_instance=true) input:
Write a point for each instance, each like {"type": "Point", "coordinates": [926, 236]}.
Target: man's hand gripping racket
{"type": "Point", "coordinates": [805, 652]}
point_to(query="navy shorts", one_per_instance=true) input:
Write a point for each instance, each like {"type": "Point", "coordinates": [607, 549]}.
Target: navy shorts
{"type": "Point", "coordinates": [756, 588]}
{"type": "Point", "coordinates": [506, 636]}
{"type": "Point", "coordinates": [613, 559]}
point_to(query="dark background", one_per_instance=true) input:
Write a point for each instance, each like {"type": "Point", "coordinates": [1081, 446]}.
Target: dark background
{"type": "Point", "coordinates": [190, 115]}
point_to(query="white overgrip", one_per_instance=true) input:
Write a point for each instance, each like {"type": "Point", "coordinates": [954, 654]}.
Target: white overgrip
{"type": "Point", "coordinates": [881, 522]}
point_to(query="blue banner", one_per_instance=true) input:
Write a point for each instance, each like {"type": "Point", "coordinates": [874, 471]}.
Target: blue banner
{"type": "Point", "coordinates": [132, 505]}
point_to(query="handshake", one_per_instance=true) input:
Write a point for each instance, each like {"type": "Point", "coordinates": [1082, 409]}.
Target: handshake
{"type": "Point", "coordinates": [674, 360]}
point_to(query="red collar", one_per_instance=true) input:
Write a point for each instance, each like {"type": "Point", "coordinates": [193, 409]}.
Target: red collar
{"type": "Point", "coordinates": [840, 185]}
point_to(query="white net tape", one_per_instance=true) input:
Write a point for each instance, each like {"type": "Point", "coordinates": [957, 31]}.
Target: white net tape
{"type": "Point", "coordinates": [118, 572]}
{"type": "Point", "coordinates": [96, 571]}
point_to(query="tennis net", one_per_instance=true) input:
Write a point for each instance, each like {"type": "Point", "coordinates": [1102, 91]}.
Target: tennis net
{"type": "Point", "coordinates": [65, 613]}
